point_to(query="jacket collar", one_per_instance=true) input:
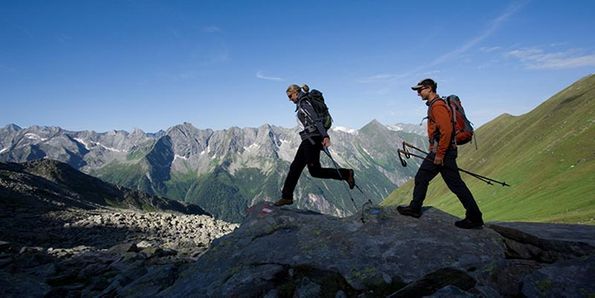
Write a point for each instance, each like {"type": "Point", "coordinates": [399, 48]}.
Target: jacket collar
{"type": "Point", "coordinates": [301, 97]}
{"type": "Point", "coordinates": [431, 102]}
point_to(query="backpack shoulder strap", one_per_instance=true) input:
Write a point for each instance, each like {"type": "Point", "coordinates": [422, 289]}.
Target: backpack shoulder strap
{"type": "Point", "coordinates": [444, 101]}
{"type": "Point", "coordinates": [435, 101]}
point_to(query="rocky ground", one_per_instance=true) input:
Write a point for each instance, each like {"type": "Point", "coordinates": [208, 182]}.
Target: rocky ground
{"type": "Point", "coordinates": [285, 252]}
{"type": "Point", "coordinates": [100, 252]}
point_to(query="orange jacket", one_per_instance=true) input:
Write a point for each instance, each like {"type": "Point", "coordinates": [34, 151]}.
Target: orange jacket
{"type": "Point", "coordinates": [439, 126]}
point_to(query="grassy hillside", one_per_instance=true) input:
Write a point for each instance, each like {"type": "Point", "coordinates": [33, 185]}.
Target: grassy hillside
{"type": "Point", "coordinates": [547, 155]}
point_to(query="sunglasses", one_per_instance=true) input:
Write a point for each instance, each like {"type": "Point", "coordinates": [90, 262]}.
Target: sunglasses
{"type": "Point", "coordinates": [422, 88]}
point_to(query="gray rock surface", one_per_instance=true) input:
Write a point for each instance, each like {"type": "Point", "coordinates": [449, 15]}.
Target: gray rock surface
{"type": "Point", "coordinates": [571, 278]}
{"type": "Point", "coordinates": [281, 252]}
{"type": "Point", "coordinates": [287, 252]}
{"type": "Point", "coordinates": [548, 242]}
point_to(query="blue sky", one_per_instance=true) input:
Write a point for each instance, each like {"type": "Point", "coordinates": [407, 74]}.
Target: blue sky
{"type": "Point", "coordinates": [103, 65]}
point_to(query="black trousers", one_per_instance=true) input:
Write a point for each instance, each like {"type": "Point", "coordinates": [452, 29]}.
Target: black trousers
{"type": "Point", "coordinates": [308, 154]}
{"type": "Point", "coordinates": [450, 173]}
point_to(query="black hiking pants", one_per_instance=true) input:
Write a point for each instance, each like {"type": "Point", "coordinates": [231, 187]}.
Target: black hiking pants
{"type": "Point", "coordinates": [308, 154]}
{"type": "Point", "coordinates": [450, 173]}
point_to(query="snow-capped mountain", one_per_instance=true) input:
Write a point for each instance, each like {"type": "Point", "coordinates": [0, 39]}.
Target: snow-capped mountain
{"type": "Point", "coordinates": [419, 129]}
{"type": "Point", "coordinates": [223, 171]}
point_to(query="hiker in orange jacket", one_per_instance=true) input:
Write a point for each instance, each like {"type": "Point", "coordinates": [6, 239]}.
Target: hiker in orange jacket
{"type": "Point", "coordinates": [441, 159]}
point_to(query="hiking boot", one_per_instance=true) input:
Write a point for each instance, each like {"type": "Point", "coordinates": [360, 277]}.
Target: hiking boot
{"type": "Point", "coordinates": [350, 178]}
{"type": "Point", "coordinates": [469, 224]}
{"type": "Point", "coordinates": [284, 201]}
{"type": "Point", "coordinates": [409, 211]}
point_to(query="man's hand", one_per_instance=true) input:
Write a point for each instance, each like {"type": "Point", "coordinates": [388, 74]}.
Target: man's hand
{"type": "Point", "coordinates": [326, 142]}
{"type": "Point", "coordinates": [438, 160]}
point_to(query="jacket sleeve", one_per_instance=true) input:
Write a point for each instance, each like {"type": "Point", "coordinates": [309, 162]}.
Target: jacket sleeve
{"type": "Point", "coordinates": [441, 114]}
{"type": "Point", "coordinates": [313, 117]}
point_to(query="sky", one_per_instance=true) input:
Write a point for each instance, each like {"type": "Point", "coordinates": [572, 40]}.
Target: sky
{"type": "Point", "coordinates": [122, 65]}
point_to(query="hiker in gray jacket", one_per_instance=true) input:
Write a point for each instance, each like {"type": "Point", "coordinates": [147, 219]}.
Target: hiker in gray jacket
{"type": "Point", "coordinates": [314, 138]}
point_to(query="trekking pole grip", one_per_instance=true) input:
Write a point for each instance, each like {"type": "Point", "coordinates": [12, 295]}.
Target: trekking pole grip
{"type": "Point", "coordinates": [403, 162]}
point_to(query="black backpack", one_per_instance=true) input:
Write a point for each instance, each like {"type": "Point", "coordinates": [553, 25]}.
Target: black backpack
{"type": "Point", "coordinates": [317, 100]}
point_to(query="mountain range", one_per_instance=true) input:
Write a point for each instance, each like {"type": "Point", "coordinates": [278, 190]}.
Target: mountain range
{"type": "Point", "coordinates": [223, 171]}
{"type": "Point", "coordinates": [547, 156]}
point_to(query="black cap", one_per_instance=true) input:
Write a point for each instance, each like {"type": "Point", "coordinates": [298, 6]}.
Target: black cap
{"type": "Point", "coordinates": [426, 83]}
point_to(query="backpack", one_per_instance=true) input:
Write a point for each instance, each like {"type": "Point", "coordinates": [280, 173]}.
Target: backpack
{"type": "Point", "coordinates": [463, 128]}
{"type": "Point", "coordinates": [317, 100]}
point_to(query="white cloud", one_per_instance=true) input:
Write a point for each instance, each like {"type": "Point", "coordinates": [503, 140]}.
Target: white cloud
{"type": "Point", "coordinates": [494, 25]}
{"type": "Point", "coordinates": [431, 73]}
{"type": "Point", "coordinates": [489, 49]}
{"type": "Point", "coordinates": [263, 77]}
{"type": "Point", "coordinates": [182, 76]}
{"type": "Point", "coordinates": [535, 58]}
{"type": "Point", "coordinates": [384, 78]}
{"type": "Point", "coordinates": [211, 29]}
{"type": "Point", "coordinates": [377, 78]}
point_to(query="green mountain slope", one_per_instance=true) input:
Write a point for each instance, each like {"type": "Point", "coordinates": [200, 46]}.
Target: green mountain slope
{"type": "Point", "coordinates": [547, 155]}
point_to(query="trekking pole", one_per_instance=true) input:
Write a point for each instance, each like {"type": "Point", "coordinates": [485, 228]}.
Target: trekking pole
{"type": "Point", "coordinates": [328, 153]}
{"type": "Point", "coordinates": [408, 154]}
{"type": "Point", "coordinates": [482, 178]}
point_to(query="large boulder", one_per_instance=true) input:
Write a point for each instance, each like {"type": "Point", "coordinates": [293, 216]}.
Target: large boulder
{"type": "Point", "coordinates": [284, 251]}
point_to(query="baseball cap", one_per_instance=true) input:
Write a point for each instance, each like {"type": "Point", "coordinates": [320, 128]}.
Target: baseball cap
{"type": "Point", "coordinates": [426, 82]}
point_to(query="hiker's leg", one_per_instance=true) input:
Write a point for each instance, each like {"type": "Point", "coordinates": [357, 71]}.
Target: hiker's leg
{"type": "Point", "coordinates": [427, 171]}
{"type": "Point", "coordinates": [452, 177]}
{"type": "Point", "coordinates": [295, 170]}
{"type": "Point", "coordinates": [316, 170]}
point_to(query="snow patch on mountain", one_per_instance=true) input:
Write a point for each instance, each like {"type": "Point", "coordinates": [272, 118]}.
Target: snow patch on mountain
{"type": "Point", "coordinates": [112, 149]}
{"type": "Point", "coordinates": [345, 130]}
{"type": "Point", "coordinates": [33, 136]}
{"type": "Point", "coordinates": [83, 142]}
{"type": "Point", "coordinates": [91, 145]}
{"type": "Point", "coordinates": [394, 127]}
{"type": "Point", "coordinates": [176, 156]}
{"type": "Point", "coordinates": [367, 152]}
{"type": "Point", "coordinates": [252, 147]}
{"type": "Point", "coordinates": [409, 128]}
{"type": "Point", "coordinates": [286, 150]}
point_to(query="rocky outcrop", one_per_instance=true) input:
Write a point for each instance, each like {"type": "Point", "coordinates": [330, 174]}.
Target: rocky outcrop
{"type": "Point", "coordinates": [286, 252]}
{"type": "Point", "coordinates": [280, 252]}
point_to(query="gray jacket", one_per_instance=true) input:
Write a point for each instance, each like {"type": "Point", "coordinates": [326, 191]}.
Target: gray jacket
{"type": "Point", "coordinates": [312, 122]}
